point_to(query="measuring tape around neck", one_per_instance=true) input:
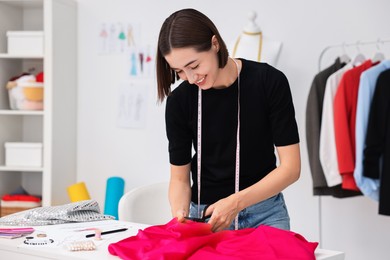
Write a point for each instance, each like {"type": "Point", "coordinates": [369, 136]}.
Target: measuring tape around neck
{"type": "Point", "coordinates": [199, 146]}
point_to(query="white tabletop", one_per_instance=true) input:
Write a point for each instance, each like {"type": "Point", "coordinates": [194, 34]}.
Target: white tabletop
{"type": "Point", "coordinates": [63, 234]}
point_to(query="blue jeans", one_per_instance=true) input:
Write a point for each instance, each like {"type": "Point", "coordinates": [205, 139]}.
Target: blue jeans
{"type": "Point", "coordinates": [271, 212]}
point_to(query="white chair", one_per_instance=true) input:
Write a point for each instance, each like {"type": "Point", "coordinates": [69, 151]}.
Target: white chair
{"type": "Point", "coordinates": [146, 204]}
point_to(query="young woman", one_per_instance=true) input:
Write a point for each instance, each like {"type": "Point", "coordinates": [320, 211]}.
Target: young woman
{"type": "Point", "coordinates": [233, 112]}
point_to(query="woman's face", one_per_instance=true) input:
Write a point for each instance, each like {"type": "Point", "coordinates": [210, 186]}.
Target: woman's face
{"type": "Point", "coordinates": [200, 68]}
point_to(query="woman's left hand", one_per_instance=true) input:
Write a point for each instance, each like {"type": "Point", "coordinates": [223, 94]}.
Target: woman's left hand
{"type": "Point", "coordinates": [222, 213]}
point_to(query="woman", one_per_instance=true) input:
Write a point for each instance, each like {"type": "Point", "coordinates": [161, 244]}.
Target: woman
{"type": "Point", "coordinates": [245, 109]}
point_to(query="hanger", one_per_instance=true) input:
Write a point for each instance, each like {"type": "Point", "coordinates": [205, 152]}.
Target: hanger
{"type": "Point", "coordinates": [359, 58]}
{"type": "Point", "coordinates": [379, 56]}
{"type": "Point", "coordinates": [344, 58]}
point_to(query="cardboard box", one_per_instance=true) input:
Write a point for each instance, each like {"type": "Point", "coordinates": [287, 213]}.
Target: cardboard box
{"type": "Point", "coordinates": [23, 154]}
{"type": "Point", "coordinates": [25, 42]}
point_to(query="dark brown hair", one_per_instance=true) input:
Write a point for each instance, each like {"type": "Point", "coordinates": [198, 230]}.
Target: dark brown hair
{"type": "Point", "coordinates": [182, 29]}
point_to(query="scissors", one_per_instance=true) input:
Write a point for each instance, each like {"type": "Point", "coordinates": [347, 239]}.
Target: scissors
{"type": "Point", "coordinates": [203, 219]}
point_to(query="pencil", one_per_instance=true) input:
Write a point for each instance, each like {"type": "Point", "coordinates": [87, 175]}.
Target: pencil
{"type": "Point", "coordinates": [108, 232]}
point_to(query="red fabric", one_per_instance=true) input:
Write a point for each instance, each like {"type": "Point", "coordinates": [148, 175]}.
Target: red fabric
{"type": "Point", "coordinates": [40, 77]}
{"type": "Point", "coordinates": [345, 106]}
{"type": "Point", "coordinates": [20, 197]}
{"type": "Point", "coordinates": [193, 240]}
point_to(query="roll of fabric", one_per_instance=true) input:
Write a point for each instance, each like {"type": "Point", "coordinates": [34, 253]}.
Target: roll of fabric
{"type": "Point", "coordinates": [78, 192]}
{"type": "Point", "coordinates": [114, 192]}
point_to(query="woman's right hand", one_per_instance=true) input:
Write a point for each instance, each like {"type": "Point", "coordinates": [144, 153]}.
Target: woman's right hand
{"type": "Point", "coordinates": [180, 215]}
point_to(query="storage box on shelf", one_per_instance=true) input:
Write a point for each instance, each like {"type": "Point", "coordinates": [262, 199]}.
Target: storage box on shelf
{"type": "Point", "coordinates": [25, 42]}
{"type": "Point", "coordinates": [23, 154]}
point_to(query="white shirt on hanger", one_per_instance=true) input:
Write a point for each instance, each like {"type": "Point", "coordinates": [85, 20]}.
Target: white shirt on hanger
{"type": "Point", "coordinates": [328, 151]}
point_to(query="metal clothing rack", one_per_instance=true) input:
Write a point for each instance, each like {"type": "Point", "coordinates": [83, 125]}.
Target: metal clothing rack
{"type": "Point", "coordinates": [344, 45]}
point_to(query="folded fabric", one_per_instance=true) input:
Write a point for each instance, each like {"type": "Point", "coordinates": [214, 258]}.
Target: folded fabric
{"type": "Point", "coordinates": [40, 77]}
{"type": "Point", "coordinates": [80, 211]}
{"type": "Point", "coordinates": [19, 204]}
{"type": "Point", "coordinates": [20, 197]}
{"type": "Point", "coordinates": [193, 240]}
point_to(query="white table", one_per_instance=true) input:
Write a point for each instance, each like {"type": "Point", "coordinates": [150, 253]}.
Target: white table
{"type": "Point", "coordinates": [15, 249]}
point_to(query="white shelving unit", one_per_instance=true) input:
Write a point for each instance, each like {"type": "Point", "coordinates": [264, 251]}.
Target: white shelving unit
{"type": "Point", "coordinates": [55, 126]}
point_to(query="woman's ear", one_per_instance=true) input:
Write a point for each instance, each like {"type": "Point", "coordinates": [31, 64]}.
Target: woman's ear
{"type": "Point", "coordinates": [214, 43]}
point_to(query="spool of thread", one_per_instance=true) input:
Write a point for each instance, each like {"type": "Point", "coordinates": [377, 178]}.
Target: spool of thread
{"type": "Point", "coordinates": [78, 192]}
{"type": "Point", "coordinates": [114, 192]}
{"type": "Point", "coordinates": [98, 234]}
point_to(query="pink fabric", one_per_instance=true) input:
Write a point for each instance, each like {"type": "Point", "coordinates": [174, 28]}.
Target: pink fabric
{"type": "Point", "coordinates": [193, 240]}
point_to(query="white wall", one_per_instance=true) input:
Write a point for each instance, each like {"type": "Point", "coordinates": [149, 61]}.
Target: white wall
{"type": "Point", "coordinates": [140, 156]}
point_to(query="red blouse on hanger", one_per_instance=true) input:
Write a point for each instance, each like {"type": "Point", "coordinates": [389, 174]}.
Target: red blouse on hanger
{"type": "Point", "coordinates": [345, 105]}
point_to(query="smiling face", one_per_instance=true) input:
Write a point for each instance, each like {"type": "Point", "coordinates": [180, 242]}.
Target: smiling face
{"type": "Point", "coordinates": [179, 47]}
{"type": "Point", "coordinates": [200, 68]}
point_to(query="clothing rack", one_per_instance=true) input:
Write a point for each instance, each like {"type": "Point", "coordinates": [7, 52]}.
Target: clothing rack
{"type": "Point", "coordinates": [345, 45]}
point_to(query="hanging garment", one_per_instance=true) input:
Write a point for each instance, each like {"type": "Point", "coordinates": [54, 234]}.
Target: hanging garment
{"type": "Point", "coordinates": [193, 240]}
{"type": "Point", "coordinates": [313, 125]}
{"type": "Point", "coordinates": [328, 156]}
{"type": "Point", "coordinates": [369, 187]}
{"type": "Point", "coordinates": [376, 157]}
{"type": "Point", "coordinates": [345, 102]}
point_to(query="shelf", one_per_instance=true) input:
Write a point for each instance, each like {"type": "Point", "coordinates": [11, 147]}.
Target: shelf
{"type": "Point", "coordinates": [15, 56]}
{"type": "Point", "coordinates": [26, 4]}
{"type": "Point", "coordinates": [20, 169]}
{"type": "Point", "coordinates": [22, 112]}
{"type": "Point", "coordinates": [56, 124]}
